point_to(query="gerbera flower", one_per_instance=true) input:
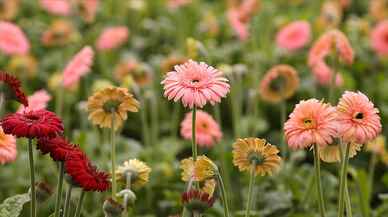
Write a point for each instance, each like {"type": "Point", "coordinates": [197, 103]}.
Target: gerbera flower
{"type": "Point", "coordinates": [279, 83]}
{"type": "Point", "coordinates": [197, 201]}
{"type": "Point", "coordinates": [195, 84]}
{"type": "Point", "coordinates": [140, 73]}
{"type": "Point", "coordinates": [78, 67]}
{"type": "Point", "coordinates": [88, 9]}
{"type": "Point", "coordinates": [256, 152]}
{"type": "Point", "coordinates": [208, 132]}
{"type": "Point", "coordinates": [60, 32]}
{"type": "Point", "coordinates": [323, 74]}
{"type": "Point", "coordinates": [187, 166]}
{"type": "Point", "coordinates": [239, 16]}
{"type": "Point", "coordinates": [294, 35]}
{"type": "Point", "coordinates": [209, 186]}
{"type": "Point", "coordinates": [37, 101]}
{"type": "Point", "coordinates": [124, 68]}
{"type": "Point", "coordinates": [8, 151]}
{"type": "Point", "coordinates": [170, 62]}
{"type": "Point", "coordinates": [13, 41]}
{"type": "Point", "coordinates": [15, 85]}
{"type": "Point", "coordinates": [378, 38]}
{"type": "Point", "coordinates": [111, 102]}
{"type": "Point", "coordinates": [9, 9]}
{"type": "Point", "coordinates": [32, 124]}
{"type": "Point", "coordinates": [332, 153]}
{"type": "Point", "coordinates": [330, 16]}
{"type": "Point", "coordinates": [378, 9]}
{"type": "Point", "coordinates": [137, 170]}
{"type": "Point", "coordinates": [377, 146]}
{"type": "Point", "coordinates": [112, 37]}
{"type": "Point", "coordinates": [84, 174]}
{"type": "Point", "coordinates": [311, 122]}
{"type": "Point", "coordinates": [57, 7]}
{"type": "Point", "coordinates": [358, 119]}
{"type": "Point", "coordinates": [202, 169]}
{"type": "Point", "coordinates": [58, 147]}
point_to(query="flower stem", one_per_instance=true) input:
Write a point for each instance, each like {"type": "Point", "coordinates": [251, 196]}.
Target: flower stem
{"type": "Point", "coordinates": [79, 206]}
{"type": "Point", "coordinates": [283, 113]}
{"type": "Point", "coordinates": [250, 192]}
{"type": "Point", "coordinates": [59, 189]}
{"type": "Point", "coordinates": [343, 177]}
{"type": "Point", "coordinates": [347, 201]}
{"type": "Point", "coordinates": [193, 135]}
{"type": "Point", "coordinates": [223, 195]}
{"type": "Point", "coordinates": [113, 153]}
{"type": "Point", "coordinates": [67, 201]}
{"type": "Point", "coordinates": [372, 166]}
{"type": "Point", "coordinates": [32, 179]}
{"type": "Point", "coordinates": [317, 167]}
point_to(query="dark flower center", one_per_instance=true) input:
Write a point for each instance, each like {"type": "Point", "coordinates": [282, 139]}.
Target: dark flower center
{"type": "Point", "coordinates": [32, 117]}
{"type": "Point", "coordinates": [255, 158]}
{"type": "Point", "coordinates": [194, 81]}
{"type": "Point", "coordinates": [278, 83]}
{"type": "Point", "coordinates": [359, 116]}
{"type": "Point", "coordinates": [308, 122]}
{"type": "Point", "coordinates": [111, 105]}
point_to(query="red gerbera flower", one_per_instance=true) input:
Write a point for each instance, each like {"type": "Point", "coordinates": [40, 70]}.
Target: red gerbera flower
{"type": "Point", "coordinates": [58, 147]}
{"type": "Point", "coordinates": [83, 173]}
{"type": "Point", "coordinates": [32, 124]}
{"type": "Point", "coordinates": [197, 201]}
{"type": "Point", "coordinates": [15, 86]}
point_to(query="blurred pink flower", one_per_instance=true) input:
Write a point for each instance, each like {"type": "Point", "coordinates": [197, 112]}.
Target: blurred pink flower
{"type": "Point", "coordinates": [112, 37]}
{"type": "Point", "coordinates": [89, 9]}
{"type": "Point", "coordinates": [311, 122]}
{"type": "Point", "coordinates": [195, 84]}
{"type": "Point", "coordinates": [78, 66]}
{"type": "Point", "coordinates": [358, 119]}
{"type": "Point", "coordinates": [8, 149]}
{"type": "Point", "coordinates": [323, 74]}
{"type": "Point", "coordinates": [240, 15]}
{"type": "Point", "coordinates": [174, 4]}
{"type": "Point", "coordinates": [36, 101]}
{"type": "Point", "coordinates": [57, 7]}
{"type": "Point", "coordinates": [379, 38]}
{"type": "Point", "coordinates": [241, 28]}
{"type": "Point", "coordinates": [12, 39]}
{"type": "Point", "coordinates": [208, 132]}
{"type": "Point", "coordinates": [294, 35]}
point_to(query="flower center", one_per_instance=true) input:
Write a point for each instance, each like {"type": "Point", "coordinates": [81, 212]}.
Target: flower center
{"type": "Point", "coordinates": [255, 158]}
{"type": "Point", "coordinates": [111, 105]}
{"type": "Point", "coordinates": [308, 123]}
{"type": "Point", "coordinates": [359, 116]}
{"type": "Point", "coordinates": [32, 117]}
{"type": "Point", "coordinates": [194, 81]}
{"type": "Point", "coordinates": [278, 83]}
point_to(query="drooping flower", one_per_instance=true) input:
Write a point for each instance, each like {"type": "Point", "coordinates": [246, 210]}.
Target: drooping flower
{"type": "Point", "coordinates": [358, 119]}
{"type": "Point", "coordinates": [112, 37]}
{"type": "Point", "coordinates": [36, 101]}
{"type": "Point", "coordinates": [8, 151]}
{"type": "Point", "coordinates": [111, 102]}
{"type": "Point", "coordinates": [197, 201]}
{"type": "Point", "coordinates": [58, 147]}
{"type": "Point", "coordinates": [78, 67]}
{"type": "Point", "coordinates": [57, 7]}
{"type": "Point", "coordinates": [13, 41]}
{"type": "Point", "coordinates": [378, 38]}
{"type": "Point", "coordinates": [311, 122]}
{"type": "Point", "coordinates": [60, 33]}
{"type": "Point", "coordinates": [195, 84]}
{"type": "Point", "coordinates": [257, 153]}
{"type": "Point", "coordinates": [136, 170]}
{"type": "Point", "coordinates": [323, 74]}
{"type": "Point", "coordinates": [32, 124]}
{"type": "Point", "coordinates": [294, 35]}
{"type": "Point", "coordinates": [332, 153]}
{"type": "Point", "coordinates": [9, 9]}
{"type": "Point", "coordinates": [187, 166]}
{"type": "Point", "coordinates": [15, 85]}
{"type": "Point", "coordinates": [208, 132]}
{"type": "Point", "coordinates": [377, 146]}
{"type": "Point", "coordinates": [202, 169]}
{"type": "Point", "coordinates": [209, 186]}
{"type": "Point", "coordinates": [279, 83]}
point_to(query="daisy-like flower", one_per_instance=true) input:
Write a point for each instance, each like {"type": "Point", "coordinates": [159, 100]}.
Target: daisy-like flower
{"type": "Point", "coordinates": [112, 37]}
{"type": "Point", "coordinates": [8, 151]}
{"type": "Point", "coordinates": [137, 170]}
{"type": "Point", "coordinates": [78, 67]}
{"type": "Point", "coordinates": [15, 86]}
{"type": "Point", "coordinates": [57, 7]}
{"type": "Point", "coordinates": [60, 32]}
{"type": "Point", "coordinates": [294, 35]}
{"type": "Point", "coordinates": [111, 102]}
{"type": "Point", "coordinates": [32, 124]}
{"type": "Point", "coordinates": [332, 153]}
{"type": "Point", "coordinates": [378, 38]}
{"type": "Point", "coordinates": [197, 201]}
{"type": "Point", "coordinates": [208, 132]}
{"type": "Point", "coordinates": [36, 101]}
{"type": "Point", "coordinates": [195, 84]}
{"type": "Point", "coordinates": [202, 169]}
{"type": "Point", "coordinates": [279, 83]}
{"type": "Point", "coordinates": [311, 122]}
{"type": "Point", "coordinates": [58, 147]}
{"type": "Point", "coordinates": [13, 41]}
{"type": "Point", "coordinates": [257, 153]}
{"type": "Point", "coordinates": [377, 146]}
{"type": "Point", "coordinates": [358, 119]}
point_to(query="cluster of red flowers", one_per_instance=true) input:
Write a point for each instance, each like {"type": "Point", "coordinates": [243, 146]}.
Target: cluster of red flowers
{"type": "Point", "coordinates": [15, 86]}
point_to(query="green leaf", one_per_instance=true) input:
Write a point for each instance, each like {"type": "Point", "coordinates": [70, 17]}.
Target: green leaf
{"type": "Point", "coordinates": [12, 206]}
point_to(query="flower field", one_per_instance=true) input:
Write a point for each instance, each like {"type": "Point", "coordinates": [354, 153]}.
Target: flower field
{"type": "Point", "coordinates": [191, 108]}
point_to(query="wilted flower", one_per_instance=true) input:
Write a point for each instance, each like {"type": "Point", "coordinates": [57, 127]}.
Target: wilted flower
{"type": "Point", "coordinates": [209, 186]}
{"type": "Point", "coordinates": [202, 169]}
{"type": "Point", "coordinates": [136, 170]}
{"type": "Point", "coordinates": [112, 37]}
{"type": "Point", "coordinates": [294, 35]}
{"type": "Point", "coordinates": [332, 153]}
{"type": "Point", "coordinates": [78, 66]}
{"type": "Point", "coordinates": [24, 65]}
{"type": "Point", "coordinates": [8, 151]}
{"type": "Point", "coordinates": [61, 32]}
{"type": "Point", "coordinates": [14, 85]}
{"type": "Point", "coordinates": [13, 41]}
{"type": "Point", "coordinates": [36, 101]}
{"type": "Point", "coordinates": [57, 7]}
{"type": "Point", "coordinates": [378, 38]}
{"type": "Point", "coordinates": [197, 201]}
{"type": "Point", "coordinates": [140, 73]}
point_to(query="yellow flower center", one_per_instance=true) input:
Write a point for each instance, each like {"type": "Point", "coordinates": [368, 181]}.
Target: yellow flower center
{"type": "Point", "coordinates": [111, 105]}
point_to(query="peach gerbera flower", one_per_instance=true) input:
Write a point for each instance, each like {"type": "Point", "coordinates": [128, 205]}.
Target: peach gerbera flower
{"type": "Point", "coordinates": [8, 149]}
{"type": "Point", "coordinates": [57, 7]}
{"type": "Point", "coordinates": [294, 36]}
{"type": "Point", "coordinates": [358, 119]}
{"type": "Point", "coordinates": [112, 37]}
{"type": "Point", "coordinates": [378, 38]}
{"type": "Point", "coordinates": [78, 67]}
{"type": "Point", "coordinates": [311, 122]}
{"type": "Point", "coordinates": [208, 132]}
{"type": "Point", "coordinates": [13, 41]}
{"type": "Point", "coordinates": [195, 84]}
{"type": "Point", "coordinates": [323, 74]}
{"type": "Point", "coordinates": [36, 101]}
{"type": "Point", "coordinates": [239, 17]}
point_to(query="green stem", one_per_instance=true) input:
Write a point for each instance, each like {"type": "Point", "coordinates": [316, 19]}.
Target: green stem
{"type": "Point", "coordinates": [223, 195]}
{"type": "Point", "coordinates": [145, 127]}
{"type": "Point", "coordinates": [348, 203]}
{"type": "Point", "coordinates": [175, 120]}
{"type": "Point", "coordinates": [317, 167]}
{"type": "Point", "coordinates": [59, 189]}
{"type": "Point", "coordinates": [283, 113]}
{"type": "Point", "coordinates": [113, 153]}
{"type": "Point", "coordinates": [193, 135]}
{"type": "Point", "coordinates": [67, 201]}
{"type": "Point", "coordinates": [307, 194]}
{"type": "Point", "coordinates": [250, 191]}
{"type": "Point", "coordinates": [32, 179]}
{"type": "Point", "coordinates": [79, 206]}
{"type": "Point", "coordinates": [343, 177]}
{"type": "Point", "coordinates": [372, 166]}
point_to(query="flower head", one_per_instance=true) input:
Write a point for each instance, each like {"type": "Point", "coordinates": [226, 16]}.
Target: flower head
{"type": "Point", "coordinates": [57, 7]}
{"type": "Point", "coordinates": [112, 37]}
{"type": "Point", "coordinates": [358, 119]}
{"type": "Point", "coordinates": [208, 132]}
{"type": "Point", "coordinates": [195, 84]}
{"type": "Point", "coordinates": [9, 9]}
{"type": "Point", "coordinates": [88, 9]}
{"type": "Point", "coordinates": [32, 124]}
{"type": "Point", "coordinates": [197, 201]}
{"type": "Point", "coordinates": [202, 169]}
{"type": "Point", "coordinates": [323, 74]}
{"type": "Point", "coordinates": [111, 102]}
{"type": "Point", "coordinates": [37, 101]}
{"type": "Point", "coordinates": [15, 85]}
{"type": "Point", "coordinates": [209, 186]}
{"type": "Point", "coordinates": [170, 62]}
{"type": "Point", "coordinates": [8, 149]}
{"type": "Point", "coordinates": [140, 73]}
{"type": "Point", "coordinates": [239, 16]}
{"type": "Point", "coordinates": [13, 41]}
{"type": "Point", "coordinates": [58, 147]}
{"type": "Point", "coordinates": [23, 66]}
{"type": "Point", "coordinates": [279, 83]}
{"type": "Point", "coordinates": [378, 38]}
{"type": "Point", "coordinates": [78, 67]}
{"type": "Point", "coordinates": [311, 122]}
{"type": "Point", "coordinates": [256, 153]}
{"type": "Point", "coordinates": [332, 153]}
{"type": "Point", "coordinates": [377, 146]}
{"type": "Point", "coordinates": [294, 35]}
{"type": "Point", "coordinates": [60, 33]}
{"type": "Point", "coordinates": [136, 170]}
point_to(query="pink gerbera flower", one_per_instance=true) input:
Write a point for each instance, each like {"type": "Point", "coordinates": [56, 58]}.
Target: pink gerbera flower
{"type": "Point", "coordinates": [195, 84]}
{"type": "Point", "coordinates": [8, 149]}
{"type": "Point", "coordinates": [240, 27]}
{"type": "Point", "coordinates": [311, 122]}
{"type": "Point", "coordinates": [13, 41]}
{"type": "Point", "coordinates": [323, 74]}
{"type": "Point", "coordinates": [379, 38]}
{"type": "Point", "coordinates": [358, 119]}
{"type": "Point", "coordinates": [56, 7]}
{"type": "Point", "coordinates": [36, 101]}
{"type": "Point", "coordinates": [78, 67]}
{"type": "Point", "coordinates": [89, 9]}
{"type": "Point", "coordinates": [208, 132]}
{"type": "Point", "coordinates": [294, 35]}
{"type": "Point", "coordinates": [112, 37]}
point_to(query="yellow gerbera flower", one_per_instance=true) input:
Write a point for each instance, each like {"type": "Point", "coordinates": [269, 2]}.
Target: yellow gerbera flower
{"type": "Point", "coordinates": [199, 171]}
{"type": "Point", "coordinates": [209, 186]}
{"type": "Point", "coordinates": [256, 152]}
{"type": "Point", "coordinates": [331, 153]}
{"type": "Point", "coordinates": [111, 102]}
{"type": "Point", "coordinates": [377, 145]}
{"type": "Point", "coordinates": [137, 170]}
{"type": "Point", "coordinates": [187, 166]}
